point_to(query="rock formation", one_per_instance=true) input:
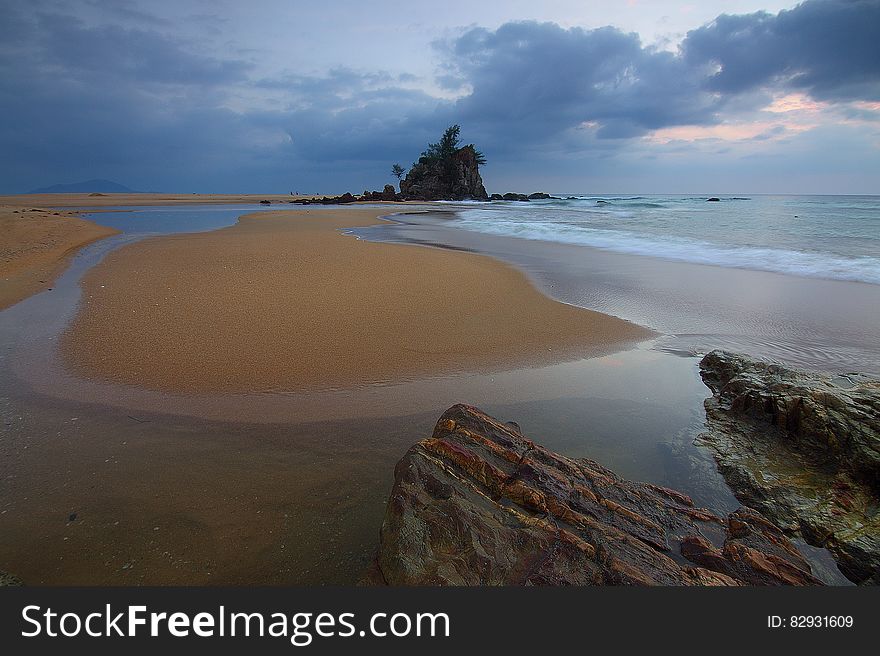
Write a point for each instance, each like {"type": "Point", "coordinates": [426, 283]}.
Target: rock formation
{"type": "Point", "coordinates": [803, 449]}
{"type": "Point", "coordinates": [454, 178]}
{"type": "Point", "coordinates": [344, 199]}
{"type": "Point", "coordinates": [387, 193]}
{"type": "Point", "coordinates": [525, 198]}
{"type": "Point", "coordinates": [478, 503]}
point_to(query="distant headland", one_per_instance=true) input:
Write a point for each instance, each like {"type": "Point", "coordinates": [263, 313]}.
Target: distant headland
{"type": "Point", "coordinates": [96, 186]}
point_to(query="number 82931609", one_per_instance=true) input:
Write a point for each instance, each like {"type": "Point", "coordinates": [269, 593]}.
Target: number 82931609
{"type": "Point", "coordinates": [810, 622]}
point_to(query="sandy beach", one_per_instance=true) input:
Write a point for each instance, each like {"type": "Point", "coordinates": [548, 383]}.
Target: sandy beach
{"type": "Point", "coordinates": [36, 245]}
{"type": "Point", "coordinates": [285, 301]}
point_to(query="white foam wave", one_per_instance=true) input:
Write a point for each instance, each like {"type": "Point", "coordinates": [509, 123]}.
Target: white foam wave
{"type": "Point", "coordinates": [792, 262]}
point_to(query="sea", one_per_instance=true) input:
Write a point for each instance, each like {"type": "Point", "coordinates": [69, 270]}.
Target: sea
{"type": "Point", "coordinates": [833, 237]}
{"type": "Point", "coordinates": [793, 279]}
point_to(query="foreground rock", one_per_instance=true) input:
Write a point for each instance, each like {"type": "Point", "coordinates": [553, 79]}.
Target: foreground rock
{"type": "Point", "coordinates": [479, 504]}
{"type": "Point", "coordinates": [804, 450]}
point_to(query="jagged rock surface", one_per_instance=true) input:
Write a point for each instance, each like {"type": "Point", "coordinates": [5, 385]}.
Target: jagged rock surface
{"type": "Point", "coordinates": [803, 449]}
{"type": "Point", "coordinates": [477, 503]}
{"type": "Point", "coordinates": [437, 180]}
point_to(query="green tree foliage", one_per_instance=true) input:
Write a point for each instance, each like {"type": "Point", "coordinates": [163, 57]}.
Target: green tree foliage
{"type": "Point", "coordinates": [444, 151]}
{"type": "Point", "coordinates": [397, 171]}
{"type": "Point", "coordinates": [445, 148]}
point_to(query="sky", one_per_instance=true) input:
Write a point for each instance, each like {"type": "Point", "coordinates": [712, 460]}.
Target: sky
{"type": "Point", "coordinates": [565, 96]}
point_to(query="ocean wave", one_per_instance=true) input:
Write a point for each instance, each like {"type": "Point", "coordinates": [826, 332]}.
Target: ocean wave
{"type": "Point", "coordinates": [644, 205]}
{"type": "Point", "coordinates": [610, 198]}
{"type": "Point", "coordinates": [792, 262]}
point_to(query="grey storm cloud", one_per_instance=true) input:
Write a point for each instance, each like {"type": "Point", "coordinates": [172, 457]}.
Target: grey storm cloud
{"type": "Point", "coordinates": [144, 103]}
{"type": "Point", "coordinates": [117, 53]}
{"type": "Point", "coordinates": [540, 80]}
{"type": "Point", "coordinates": [830, 49]}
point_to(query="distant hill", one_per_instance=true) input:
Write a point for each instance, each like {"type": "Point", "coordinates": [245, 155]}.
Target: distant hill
{"type": "Point", "coordinates": [87, 187]}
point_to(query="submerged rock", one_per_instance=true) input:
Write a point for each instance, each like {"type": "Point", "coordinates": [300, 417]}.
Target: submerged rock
{"type": "Point", "coordinates": [803, 449]}
{"type": "Point", "coordinates": [477, 503]}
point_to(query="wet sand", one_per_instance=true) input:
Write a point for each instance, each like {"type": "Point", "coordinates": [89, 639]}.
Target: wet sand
{"type": "Point", "coordinates": [95, 497]}
{"type": "Point", "coordinates": [35, 247]}
{"type": "Point", "coordinates": [284, 301]}
{"type": "Point", "coordinates": [161, 499]}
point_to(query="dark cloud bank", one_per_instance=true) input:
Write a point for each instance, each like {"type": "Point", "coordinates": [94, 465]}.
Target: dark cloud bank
{"type": "Point", "coordinates": [138, 105]}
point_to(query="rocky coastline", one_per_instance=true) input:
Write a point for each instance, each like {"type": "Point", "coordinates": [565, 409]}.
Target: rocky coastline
{"type": "Point", "coordinates": [478, 503]}
{"type": "Point", "coordinates": [804, 450]}
{"type": "Point", "coordinates": [388, 195]}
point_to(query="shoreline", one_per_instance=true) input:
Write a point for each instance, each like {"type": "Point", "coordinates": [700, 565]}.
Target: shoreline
{"type": "Point", "coordinates": [694, 307]}
{"type": "Point", "coordinates": [283, 301]}
{"type": "Point", "coordinates": [37, 247]}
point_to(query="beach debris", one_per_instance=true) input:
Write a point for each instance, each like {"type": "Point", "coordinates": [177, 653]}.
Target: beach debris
{"type": "Point", "coordinates": [804, 450]}
{"type": "Point", "coordinates": [478, 503]}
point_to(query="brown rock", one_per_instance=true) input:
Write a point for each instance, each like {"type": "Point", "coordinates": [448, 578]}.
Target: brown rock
{"type": "Point", "coordinates": [477, 503]}
{"type": "Point", "coordinates": [803, 449]}
{"type": "Point", "coordinates": [755, 553]}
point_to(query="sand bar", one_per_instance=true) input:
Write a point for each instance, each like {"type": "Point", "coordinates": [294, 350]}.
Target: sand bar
{"type": "Point", "coordinates": [284, 301]}
{"type": "Point", "coordinates": [35, 246]}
